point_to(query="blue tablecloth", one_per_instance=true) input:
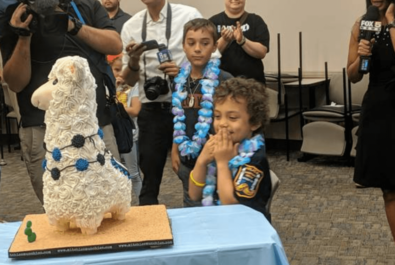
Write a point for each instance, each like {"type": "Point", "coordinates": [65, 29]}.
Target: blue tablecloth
{"type": "Point", "coordinates": [225, 235]}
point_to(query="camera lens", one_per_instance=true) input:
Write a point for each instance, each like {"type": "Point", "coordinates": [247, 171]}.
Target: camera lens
{"type": "Point", "coordinates": [154, 87]}
{"type": "Point", "coordinates": [152, 93]}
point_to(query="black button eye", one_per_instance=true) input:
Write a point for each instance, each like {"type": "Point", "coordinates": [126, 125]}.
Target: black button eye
{"type": "Point", "coordinates": [55, 82]}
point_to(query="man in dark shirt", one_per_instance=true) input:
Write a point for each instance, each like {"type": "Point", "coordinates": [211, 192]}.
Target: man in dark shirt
{"type": "Point", "coordinates": [28, 57]}
{"type": "Point", "coordinates": [115, 13]}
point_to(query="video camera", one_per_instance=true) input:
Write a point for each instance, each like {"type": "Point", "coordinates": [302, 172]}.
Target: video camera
{"type": "Point", "coordinates": [45, 16]}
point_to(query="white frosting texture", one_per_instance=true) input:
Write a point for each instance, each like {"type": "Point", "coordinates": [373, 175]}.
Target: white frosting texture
{"type": "Point", "coordinates": [79, 198]}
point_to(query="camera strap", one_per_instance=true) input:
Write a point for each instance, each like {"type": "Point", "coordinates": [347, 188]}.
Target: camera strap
{"type": "Point", "coordinates": [144, 34]}
{"type": "Point", "coordinates": [77, 12]}
{"type": "Point", "coordinates": [97, 60]}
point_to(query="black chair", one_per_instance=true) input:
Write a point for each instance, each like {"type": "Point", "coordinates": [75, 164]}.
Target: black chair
{"type": "Point", "coordinates": [328, 127]}
{"type": "Point", "coordinates": [283, 112]}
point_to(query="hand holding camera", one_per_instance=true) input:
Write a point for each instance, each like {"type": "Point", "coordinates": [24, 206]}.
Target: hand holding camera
{"type": "Point", "coordinates": [134, 51]}
{"type": "Point", "coordinates": [19, 18]}
{"type": "Point", "coordinates": [33, 15]}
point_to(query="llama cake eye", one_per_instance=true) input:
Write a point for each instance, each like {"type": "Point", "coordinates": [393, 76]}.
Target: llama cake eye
{"type": "Point", "coordinates": [55, 82]}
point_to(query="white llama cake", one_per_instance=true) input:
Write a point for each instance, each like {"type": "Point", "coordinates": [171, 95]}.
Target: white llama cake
{"type": "Point", "coordinates": [82, 181]}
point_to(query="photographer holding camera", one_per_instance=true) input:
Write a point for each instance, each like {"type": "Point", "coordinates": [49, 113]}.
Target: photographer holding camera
{"type": "Point", "coordinates": [36, 34]}
{"type": "Point", "coordinates": [163, 22]}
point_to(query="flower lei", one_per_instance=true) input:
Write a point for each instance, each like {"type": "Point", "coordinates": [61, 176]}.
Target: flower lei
{"type": "Point", "coordinates": [246, 150]}
{"type": "Point", "coordinates": [186, 146]}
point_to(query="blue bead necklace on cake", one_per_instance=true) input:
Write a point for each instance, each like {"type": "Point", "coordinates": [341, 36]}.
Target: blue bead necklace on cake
{"type": "Point", "coordinates": [78, 141]}
{"type": "Point", "coordinates": [246, 150]}
{"type": "Point", "coordinates": [186, 146]}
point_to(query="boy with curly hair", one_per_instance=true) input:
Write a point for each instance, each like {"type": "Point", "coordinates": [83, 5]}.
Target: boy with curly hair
{"type": "Point", "coordinates": [232, 167]}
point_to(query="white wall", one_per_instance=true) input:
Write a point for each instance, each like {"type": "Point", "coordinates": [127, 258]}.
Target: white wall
{"type": "Point", "coordinates": [325, 26]}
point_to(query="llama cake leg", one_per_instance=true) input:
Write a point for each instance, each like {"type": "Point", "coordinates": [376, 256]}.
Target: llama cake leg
{"type": "Point", "coordinates": [118, 215]}
{"type": "Point", "coordinates": [88, 231]}
{"type": "Point", "coordinates": [73, 225]}
{"type": "Point", "coordinates": [62, 225]}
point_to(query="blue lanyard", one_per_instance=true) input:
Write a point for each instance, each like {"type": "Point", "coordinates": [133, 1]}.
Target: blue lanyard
{"type": "Point", "coordinates": [77, 12]}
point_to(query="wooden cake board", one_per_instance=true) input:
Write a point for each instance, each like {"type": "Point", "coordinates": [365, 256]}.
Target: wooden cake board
{"type": "Point", "coordinates": [144, 226]}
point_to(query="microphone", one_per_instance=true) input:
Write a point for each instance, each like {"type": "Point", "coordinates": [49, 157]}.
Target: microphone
{"type": "Point", "coordinates": [369, 25]}
{"type": "Point", "coordinates": [164, 54]}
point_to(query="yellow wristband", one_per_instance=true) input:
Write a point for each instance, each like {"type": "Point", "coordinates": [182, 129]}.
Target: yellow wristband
{"type": "Point", "coordinates": [198, 184]}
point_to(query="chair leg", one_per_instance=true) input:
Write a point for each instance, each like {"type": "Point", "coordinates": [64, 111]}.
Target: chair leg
{"type": "Point", "coordinates": [1, 151]}
{"type": "Point", "coordinates": [286, 125]}
{"type": "Point", "coordinates": [8, 130]}
{"type": "Point", "coordinates": [287, 137]}
{"type": "Point", "coordinates": [2, 161]}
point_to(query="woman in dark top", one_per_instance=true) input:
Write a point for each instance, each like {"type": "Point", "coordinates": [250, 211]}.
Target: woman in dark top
{"type": "Point", "coordinates": [375, 159]}
{"type": "Point", "coordinates": [244, 40]}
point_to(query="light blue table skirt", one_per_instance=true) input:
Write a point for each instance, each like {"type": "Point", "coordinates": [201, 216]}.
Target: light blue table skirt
{"type": "Point", "coordinates": [225, 235]}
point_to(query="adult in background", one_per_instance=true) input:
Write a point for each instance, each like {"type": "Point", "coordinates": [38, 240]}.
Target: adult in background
{"type": "Point", "coordinates": [29, 52]}
{"type": "Point", "coordinates": [244, 40]}
{"type": "Point", "coordinates": [163, 22]}
{"type": "Point", "coordinates": [375, 156]}
{"type": "Point", "coordinates": [116, 14]}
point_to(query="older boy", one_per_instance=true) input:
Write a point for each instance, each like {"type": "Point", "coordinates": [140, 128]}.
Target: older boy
{"type": "Point", "coordinates": [195, 86]}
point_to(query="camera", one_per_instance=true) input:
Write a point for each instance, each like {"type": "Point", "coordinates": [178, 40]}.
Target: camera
{"type": "Point", "coordinates": [155, 86]}
{"type": "Point", "coordinates": [45, 17]}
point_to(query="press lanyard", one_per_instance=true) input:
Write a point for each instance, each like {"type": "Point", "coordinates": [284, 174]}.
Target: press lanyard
{"type": "Point", "coordinates": [144, 33]}
{"type": "Point", "coordinates": [77, 12]}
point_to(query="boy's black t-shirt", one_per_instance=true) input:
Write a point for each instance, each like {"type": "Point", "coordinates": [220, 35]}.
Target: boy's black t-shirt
{"type": "Point", "coordinates": [45, 50]}
{"type": "Point", "coordinates": [234, 59]}
{"type": "Point", "coordinates": [252, 182]}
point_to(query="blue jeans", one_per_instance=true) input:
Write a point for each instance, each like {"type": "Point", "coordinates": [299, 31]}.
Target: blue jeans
{"type": "Point", "coordinates": [131, 163]}
{"type": "Point", "coordinates": [33, 152]}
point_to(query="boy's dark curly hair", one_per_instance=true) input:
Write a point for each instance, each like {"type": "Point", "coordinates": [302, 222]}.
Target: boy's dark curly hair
{"type": "Point", "coordinates": [255, 95]}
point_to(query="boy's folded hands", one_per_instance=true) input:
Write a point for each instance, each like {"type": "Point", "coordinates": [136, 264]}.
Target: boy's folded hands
{"type": "Point", "coordinates": [224, 149]}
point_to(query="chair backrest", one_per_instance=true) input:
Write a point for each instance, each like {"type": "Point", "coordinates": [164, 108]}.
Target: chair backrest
{"type": "Point", "coordinates": [336, 89]}
{"type": "Point", "coordinates": [275, 184]}
{"type": "Point", "coordinates": [11, 101]}
{"type": "Point", "coordinates": [273, 84]}
{"type": "Point", "coordinates": [274, 108]}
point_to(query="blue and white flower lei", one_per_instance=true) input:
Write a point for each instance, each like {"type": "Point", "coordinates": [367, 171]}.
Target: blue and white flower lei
{"type": "Point", "coordinates": [246, 150]}
{"type": "Point", "coordinates": [186, 146]}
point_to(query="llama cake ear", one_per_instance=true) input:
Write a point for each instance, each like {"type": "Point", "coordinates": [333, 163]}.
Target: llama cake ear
{"type": "Point", "coordinates": [72, 68]}
{"type": "Point", "coordinates": [77, 69]}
